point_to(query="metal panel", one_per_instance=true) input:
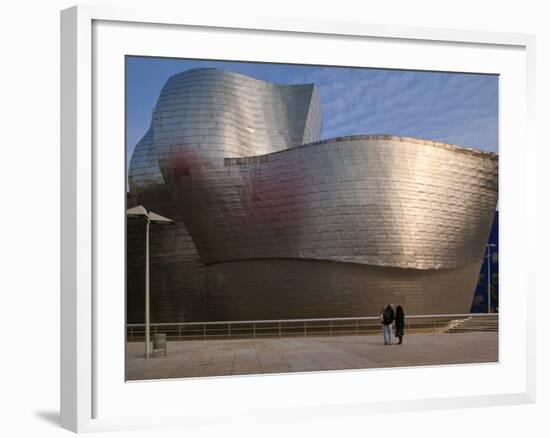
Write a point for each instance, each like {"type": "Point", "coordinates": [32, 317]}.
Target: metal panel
{"type": "Point", "coordinates": [238, 164]}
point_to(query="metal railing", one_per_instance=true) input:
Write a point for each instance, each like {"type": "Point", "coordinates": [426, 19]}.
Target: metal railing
{"type": "Point", "coordinates": [369, 325]}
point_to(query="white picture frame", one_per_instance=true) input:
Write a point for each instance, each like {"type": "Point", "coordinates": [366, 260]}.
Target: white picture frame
{"type": "Point", "coordinates": [92, 392]}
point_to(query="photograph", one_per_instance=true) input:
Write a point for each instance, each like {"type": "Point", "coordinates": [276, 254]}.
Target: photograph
{"type": "Point", "coordinates": [288, 218]}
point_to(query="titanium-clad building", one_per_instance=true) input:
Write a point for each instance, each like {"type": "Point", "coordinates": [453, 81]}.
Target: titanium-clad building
{"type": "Point", "coordinates": [271, 222]}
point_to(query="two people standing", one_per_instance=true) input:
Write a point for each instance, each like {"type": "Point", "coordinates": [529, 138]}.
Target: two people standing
{"type": "Point", "coordinates": [387, 317]}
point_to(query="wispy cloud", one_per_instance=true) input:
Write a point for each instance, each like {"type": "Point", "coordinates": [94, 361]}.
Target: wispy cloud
{"type": "Point", "coordinates": [449, 107]}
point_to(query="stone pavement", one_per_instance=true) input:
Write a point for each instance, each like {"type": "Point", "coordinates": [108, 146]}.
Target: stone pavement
{"type": "Point", "coordinates": [281, 355]}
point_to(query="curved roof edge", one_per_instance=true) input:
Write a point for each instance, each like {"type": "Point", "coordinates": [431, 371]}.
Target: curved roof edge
{"type": "Point", "coordinates": [240, 75]}
{"type": "Point", "coordinates": [461, 149]}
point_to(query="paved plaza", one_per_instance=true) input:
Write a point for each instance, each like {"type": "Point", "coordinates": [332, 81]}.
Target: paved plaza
{"type": "Point", "coordinates": [281, 355]}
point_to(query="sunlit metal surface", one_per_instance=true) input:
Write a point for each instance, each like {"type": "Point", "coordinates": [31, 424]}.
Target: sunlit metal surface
{"type": "Point", "coordinates": [273, 223]}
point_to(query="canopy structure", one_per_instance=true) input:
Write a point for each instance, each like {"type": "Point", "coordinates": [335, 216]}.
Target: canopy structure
{"type": "Point", "coordinates": [140, 211]}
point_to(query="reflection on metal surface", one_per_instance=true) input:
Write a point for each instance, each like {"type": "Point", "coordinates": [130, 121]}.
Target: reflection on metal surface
{"type": "Point", "coordinates": [271, 222]}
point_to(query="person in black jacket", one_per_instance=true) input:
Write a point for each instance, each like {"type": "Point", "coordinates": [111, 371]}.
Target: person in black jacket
{"type": "Point", "coordinates": [399, 323]}
{"type": "Point", "coordinates": [386, 318]}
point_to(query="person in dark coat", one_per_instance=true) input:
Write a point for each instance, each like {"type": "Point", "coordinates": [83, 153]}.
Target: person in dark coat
{"type": "Point", "coordinates": [399, 323]}
{"type": "Point", "coordinates": [387, 316]}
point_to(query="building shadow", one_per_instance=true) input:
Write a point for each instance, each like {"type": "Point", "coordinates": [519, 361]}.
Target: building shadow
{"type": "Point", "coordinates": [52, 417]}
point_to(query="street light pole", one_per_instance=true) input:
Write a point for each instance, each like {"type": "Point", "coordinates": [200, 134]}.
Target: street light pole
{"type": "Point", "coordinates": [489, 246]}
{"type": "Point", "coordinates": [150, 217]}
{"type": "Point", "coordinates": [488, 279]}
{"type": "Point", "coordinates": [147, 310]}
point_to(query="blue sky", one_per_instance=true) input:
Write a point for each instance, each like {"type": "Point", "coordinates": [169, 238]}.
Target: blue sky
{"type": "Point", "coordinates": [453, 108]}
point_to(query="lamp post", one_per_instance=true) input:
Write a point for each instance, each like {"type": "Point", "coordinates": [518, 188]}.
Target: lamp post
{"type": "Point", "coordinates": [150, 217]}
{"type": "Point", "coordinates": [489, 246]}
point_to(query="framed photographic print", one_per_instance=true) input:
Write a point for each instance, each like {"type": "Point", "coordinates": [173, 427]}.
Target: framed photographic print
{"type": "Point", "coordinates": [257, 209]}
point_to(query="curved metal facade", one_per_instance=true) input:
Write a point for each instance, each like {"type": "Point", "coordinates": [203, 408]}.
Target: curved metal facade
{"type": "Point", "coordinates": [273, 223]}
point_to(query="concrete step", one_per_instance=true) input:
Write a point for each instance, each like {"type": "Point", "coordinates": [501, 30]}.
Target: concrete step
{"type": "Point", "coordinates": [485, 323]}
